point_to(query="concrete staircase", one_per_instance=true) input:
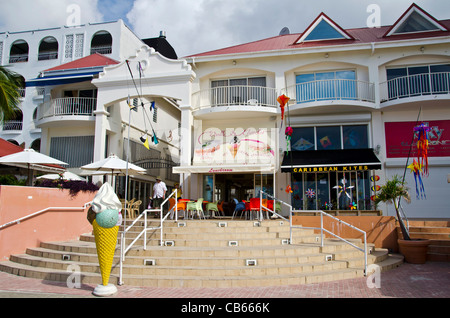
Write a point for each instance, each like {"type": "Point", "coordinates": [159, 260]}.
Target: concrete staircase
{"type": "Point", "coordinates": [207, 253]}
{"type": "Point", "coordinates": [438, 231]}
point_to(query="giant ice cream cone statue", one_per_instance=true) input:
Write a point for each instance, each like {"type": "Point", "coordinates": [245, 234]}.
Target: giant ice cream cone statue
{"type": "Point", "coordinates": [106, 206]}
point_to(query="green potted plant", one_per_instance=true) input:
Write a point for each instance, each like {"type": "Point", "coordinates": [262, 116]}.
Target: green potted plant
{"type": "Point", "coordinates": [414, 250]}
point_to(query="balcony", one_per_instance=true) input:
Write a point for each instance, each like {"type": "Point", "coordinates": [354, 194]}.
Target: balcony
{"type": "Point", "coordinates": [345, 91]}
{"type": "Point", "coordinates": [80, 107]}
{"type": "Point", "coordinates": [12, 125]}
{"type": "Point", "coordinates": [415, 87]}
{"type": "Point", "coordinates": [18, 58]}
{"type": "Point", "coordinates": [251, 99]}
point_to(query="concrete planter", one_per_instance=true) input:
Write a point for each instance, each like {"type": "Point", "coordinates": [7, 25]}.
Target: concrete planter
{"type": "Point", "coordinates": [414, 250]}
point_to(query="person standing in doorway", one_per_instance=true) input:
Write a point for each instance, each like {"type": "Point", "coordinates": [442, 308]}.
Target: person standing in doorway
{"type": "Point", "coordinates": [159, 193]}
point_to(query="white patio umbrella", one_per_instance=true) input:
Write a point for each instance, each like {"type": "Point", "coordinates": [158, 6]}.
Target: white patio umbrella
{"type": "Point", "coordinates": [115, 165]}
{"type": "Point", "coordinates": [28, 158]}
{"type": "Point", "coordinates": [67, 175]}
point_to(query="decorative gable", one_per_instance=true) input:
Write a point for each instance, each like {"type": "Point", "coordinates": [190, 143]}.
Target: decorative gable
{"type": "Point", "coordinates": [323, 28]}
{"type": "Point", "coordinates": [415, 20]}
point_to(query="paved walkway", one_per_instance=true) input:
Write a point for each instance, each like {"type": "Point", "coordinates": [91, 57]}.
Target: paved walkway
{"type": "Point", "coordinates": [430, 280]}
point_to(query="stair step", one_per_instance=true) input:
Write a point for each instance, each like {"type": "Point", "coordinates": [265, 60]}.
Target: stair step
{"type": "Point", "coordinates": [201, 256]}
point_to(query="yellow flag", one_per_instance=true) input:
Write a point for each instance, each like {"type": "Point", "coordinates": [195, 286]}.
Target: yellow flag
{"type": "Point", "coordinates": [146, 144]}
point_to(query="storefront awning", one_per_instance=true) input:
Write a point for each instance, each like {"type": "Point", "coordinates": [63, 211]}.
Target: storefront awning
{"type": "Point", "coordinates": [224, 169]}
{"type": "Point", "coordinates": [330, 160]}
{"type": "Point", "coordinates": [61, 79]}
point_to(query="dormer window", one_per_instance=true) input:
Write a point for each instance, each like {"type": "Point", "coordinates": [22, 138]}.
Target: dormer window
{"type": "Point", "coordinates": [415, 20]}
{"type": "Point", "coordinates": [323, 28]}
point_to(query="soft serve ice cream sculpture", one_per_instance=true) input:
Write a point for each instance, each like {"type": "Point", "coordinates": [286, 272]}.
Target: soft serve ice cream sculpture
{"type": "Point", "coordinates": [106, 206]}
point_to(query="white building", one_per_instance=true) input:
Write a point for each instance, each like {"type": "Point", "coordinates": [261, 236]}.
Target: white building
{"type": "Point", "coordinates": [355, 97]}
{"type": "Point", "coordinates": [30, 52]}
{"type": "Point", "coordinates": [80, 82]}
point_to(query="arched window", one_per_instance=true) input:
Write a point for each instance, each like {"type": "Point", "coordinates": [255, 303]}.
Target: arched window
{"type": "Point", "coordinates": [14, 123]}
{"type": "Point", "coordinates": [36, 145]}
{"type": "Point", "coordinates": [48, 49]}
{"type": "Point", "coordinates": [19, 52]}
{"type": "Point", "coordinates": [101, 43]}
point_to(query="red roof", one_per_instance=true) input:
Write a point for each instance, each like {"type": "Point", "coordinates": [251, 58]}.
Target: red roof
{"type": "Point", "coordinates": [8, 148]}
{"type": "Point", "coordinates": [360, 36]}
{"type": "Point", "coordinates": [92, 60]}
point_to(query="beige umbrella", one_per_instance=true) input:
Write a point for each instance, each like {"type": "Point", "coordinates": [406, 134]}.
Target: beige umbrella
{"type": "Point", "coordinates": [30, 159]}
{"type": "Point", "coordinates": [67, 175]}
{"type": "Point", "coordinates": [115, 165]}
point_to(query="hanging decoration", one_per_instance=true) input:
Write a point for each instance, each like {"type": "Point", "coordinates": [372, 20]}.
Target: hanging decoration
{"type": "Point", "coordinates": [310, 193]}
{"type": "Point", "coordinates": [422, 146]}
{"type": "Point", "coordinates": [288, 132]}
{"type": "Point", "coordinates": [283, 100]}
{"type": "Point", "coordinates": [144, 140]}
{"type": "Point", "coordinates": [288, 189]}
{"type": "Point", "coordinates": [416, 168]}
{"type": "Point", "coordinates": [353, 206]}
{"type": "Point", "coordinates": [343, 188]}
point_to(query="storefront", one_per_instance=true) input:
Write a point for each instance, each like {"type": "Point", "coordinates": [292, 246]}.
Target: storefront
{"type": "Point", "coordinates": [341, 179]}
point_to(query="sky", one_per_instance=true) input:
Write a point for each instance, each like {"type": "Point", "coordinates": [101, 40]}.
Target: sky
{"type": "Point", "coordinates": [195, 26]}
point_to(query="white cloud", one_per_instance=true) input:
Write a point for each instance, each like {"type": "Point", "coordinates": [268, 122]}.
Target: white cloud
{"type": "Point", "coordinates": [195, 26]}
{"type": "Point", "coordinates": [23, 15]}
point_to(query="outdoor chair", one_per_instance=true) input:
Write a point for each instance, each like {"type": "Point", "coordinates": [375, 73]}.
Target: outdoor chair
{"type": "Point", "coordinates": [255, 206]}
{"type": "Point", "coordinates": [195, 206]}
{"type": "Point", "coordinates": [135, 208]}
{"type": "Point", "coordinates": [240, 207]}
{"type": "Point", "coordinates": [212, 207]}
{"type": "Point", "coordinates": [181, 207]}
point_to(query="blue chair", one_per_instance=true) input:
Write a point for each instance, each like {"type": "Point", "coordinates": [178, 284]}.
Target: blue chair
{"type": "Point", "coordinates": [240, 207]}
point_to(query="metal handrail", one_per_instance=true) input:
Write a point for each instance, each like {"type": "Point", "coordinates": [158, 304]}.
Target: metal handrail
{"type": "Point", "coordinates": [43, 211]}
{"type": "Point", "coordinates": [124, 249]}
{"type": "Point", "coordinates": [269, 210]}
{"type": "Point", "coordinates": [322, 229]}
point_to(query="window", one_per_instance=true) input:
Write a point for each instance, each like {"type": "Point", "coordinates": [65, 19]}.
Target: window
{"type": "Point", "coordinates": [101, 43]}
{"type": "Point", "coordinates": [323, 31]}
{"type": "Point", "coordinates": [329, 137]}
{"type": "Point", "coordinates": [326, 86]}
{"type": "Point", "coordinates": [238, 91]}
{"type": "Point", "coordinates": [48, 49]}
{"type": "Point", "coordinates": [418, 80]}
{"type": "Point", "coordinates": [416, 23]}
{"type": "Point", "coordinates": [76, 151]}
{"type": "Point", "coordinates": [19, 52]}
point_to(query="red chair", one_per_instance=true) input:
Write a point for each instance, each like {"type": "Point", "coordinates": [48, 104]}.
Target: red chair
{"type": "Point", "coordinates": [254, 205]}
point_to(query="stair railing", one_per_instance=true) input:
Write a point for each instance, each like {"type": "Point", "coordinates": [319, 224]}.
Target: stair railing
{"type": "Point", "coordinates": [17, 221]}
{"type": "Point", "coordinates": [124, 249]}
{"type": "Point", "coordinates": [323, 229]}
{"type": "Point", "coordinates": [264, 208]}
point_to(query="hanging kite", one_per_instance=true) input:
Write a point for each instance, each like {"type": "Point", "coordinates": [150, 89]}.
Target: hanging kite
{"type": "Point", "coordinates": [288, 132]}
{"type": "Point", "coordinates": [310, 193]}
{"type": "Point", "coordinates": [343, 189]}
{"type": "Point", "coordinates": [283, 100]}
{"type": "Point", "coordinates": [416, 168]}
{"type": "Point", "coordinates": [288, 189]}
{"type": "Point", "coordinates": [422, 146]}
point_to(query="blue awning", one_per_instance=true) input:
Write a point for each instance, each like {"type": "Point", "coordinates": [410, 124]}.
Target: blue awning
{"type": "Point", "coordinates": [60, 79]}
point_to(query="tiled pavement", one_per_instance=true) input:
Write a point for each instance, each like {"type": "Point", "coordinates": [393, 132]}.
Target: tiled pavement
{"type": "Point", "coordinates": [430, 280]}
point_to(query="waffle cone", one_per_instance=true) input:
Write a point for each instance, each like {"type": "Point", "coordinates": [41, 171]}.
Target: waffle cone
{"type": "Point", "coordinates": [105, 241]}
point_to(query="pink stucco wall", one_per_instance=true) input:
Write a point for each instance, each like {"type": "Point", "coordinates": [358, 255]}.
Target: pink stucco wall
{"type": "Point", "coordinates": [53, 225]}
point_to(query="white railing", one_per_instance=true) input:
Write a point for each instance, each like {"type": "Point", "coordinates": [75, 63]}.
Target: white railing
{"type": "Point", "coordinates": [124, 249]}
{"type": "Point", "coordinates": [79, 106]}
{"type": "Point", "coordinates": [265, 208]}
{"type": "Point", "coordinates": [415, 85]}
{"type": "Point", "coordinates": [239, 95]}
{"type": "Point", "coordinates": [12, 125]}
{"type": "Point", "coordinates": [17, 221]}
{"type": "Point", "coordinates": [107, 49]}
{"type": "Point", "coordinates": [333, 89]}
{"type": "Point", "coordinates": [322, 230]}
{"type": "Point", "coordinates": [18, 58]}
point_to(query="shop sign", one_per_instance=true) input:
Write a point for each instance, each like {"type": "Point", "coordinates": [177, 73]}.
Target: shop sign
{"type": "Point", "coordinates": [332, 168]}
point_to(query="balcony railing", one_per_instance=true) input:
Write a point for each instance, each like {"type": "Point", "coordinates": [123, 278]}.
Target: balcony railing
{"type": "Point", "coordinates": [333, 89]}
{"type": "Point", "coordinates": [239, 95]}
{"type": "Point", "coordinates": [18, 58]}
{"type": "Point", "coordinates": [70, 106]}
{"type": "Point", "coordinates": [12, 125]}
{"type": "Point", "coordinates": [415, 85]}
{"type": "Point", "coordinates": [101, 49]}
{"type": "Point", "coordinates": [42, 56]}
